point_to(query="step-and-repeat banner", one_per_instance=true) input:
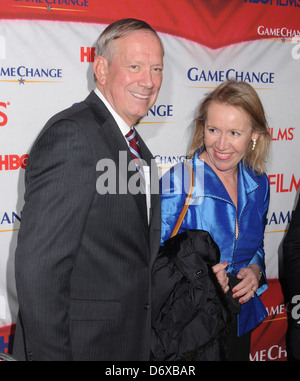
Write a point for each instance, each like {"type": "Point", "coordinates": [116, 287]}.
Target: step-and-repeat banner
{"type": "Point", "coordinates": [46, 55]}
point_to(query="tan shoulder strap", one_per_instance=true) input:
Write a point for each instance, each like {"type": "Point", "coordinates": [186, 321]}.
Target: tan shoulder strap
{"type": "Point", "coordinates": [187, 200]}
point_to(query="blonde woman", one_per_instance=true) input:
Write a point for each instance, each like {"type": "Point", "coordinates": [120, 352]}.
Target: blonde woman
{"type": "Point", "coordinates": [231, 197]}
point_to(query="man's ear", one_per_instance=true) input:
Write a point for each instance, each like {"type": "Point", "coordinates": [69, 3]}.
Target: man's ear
{"type": "Point", "coordinates": [100, 69]}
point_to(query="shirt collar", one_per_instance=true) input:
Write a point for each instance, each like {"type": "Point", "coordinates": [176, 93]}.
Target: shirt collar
{"type": "Point", "coordinates": [120, 122]}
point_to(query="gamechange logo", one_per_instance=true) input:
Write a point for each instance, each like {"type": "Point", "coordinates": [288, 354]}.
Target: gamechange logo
{"type": "Point", "coordinates": [200, 77]}
{"type": "Point", "coordinates": [53, 5]}
{"type": "Point", "coordinates": [28, 74]}
{"type": "Point", "coordinates": [22, 74]}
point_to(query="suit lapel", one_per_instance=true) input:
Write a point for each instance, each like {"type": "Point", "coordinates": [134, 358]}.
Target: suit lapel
{"type": "Point", "coordinates": [118, 149]}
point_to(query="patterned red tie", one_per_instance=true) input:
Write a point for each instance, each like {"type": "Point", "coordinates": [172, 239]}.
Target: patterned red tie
{"type": "Point", "coordinates": [135, 151]}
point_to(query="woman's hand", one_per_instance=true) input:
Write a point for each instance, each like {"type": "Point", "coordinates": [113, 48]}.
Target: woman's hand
{"type": "Point", "coordinates": [220, 271]}
{"type": "Point", "coordinates": [247, 287]}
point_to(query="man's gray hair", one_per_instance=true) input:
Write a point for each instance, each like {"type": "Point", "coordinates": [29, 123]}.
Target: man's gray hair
{"type": "Point", "coordinates": [119, 29]}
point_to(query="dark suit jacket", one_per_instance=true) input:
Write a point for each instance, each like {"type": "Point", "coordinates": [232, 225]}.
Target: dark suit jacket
{"type": "Point", "coordinates": [291, 253]}
{"type": "Point", "coordinates": [83, 259]}
{"type": "Point", "coordinates": [291, 263]}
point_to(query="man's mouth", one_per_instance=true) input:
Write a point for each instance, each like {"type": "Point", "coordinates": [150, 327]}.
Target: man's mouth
{"type": "Point", "coordinates": [140, 96]}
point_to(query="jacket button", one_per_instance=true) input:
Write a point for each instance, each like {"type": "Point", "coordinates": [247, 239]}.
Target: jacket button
{"type": "Point", "coordinates": [30, 356]}
{"type": "Point", "coordinates": [199, 272]}
{"type": "Point", "coordinates": [146, 306]}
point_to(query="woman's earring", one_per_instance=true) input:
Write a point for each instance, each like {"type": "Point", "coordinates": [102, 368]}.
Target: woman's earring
{"type": "Point", "coordinates": [253, 144]}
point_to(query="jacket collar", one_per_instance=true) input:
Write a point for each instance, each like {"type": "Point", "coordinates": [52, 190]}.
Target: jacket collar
{"type": "Point", "coordinates": [208, 184]}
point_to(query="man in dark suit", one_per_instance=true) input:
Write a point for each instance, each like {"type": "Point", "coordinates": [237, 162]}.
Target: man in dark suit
{"type": "Point", "coordinates": [291, 263]}
{"type": "Point", "coordinates": [87, 242]}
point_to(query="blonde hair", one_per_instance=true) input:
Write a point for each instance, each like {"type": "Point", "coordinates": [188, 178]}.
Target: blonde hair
{"type": "Point", "coordinates": [241, 95]}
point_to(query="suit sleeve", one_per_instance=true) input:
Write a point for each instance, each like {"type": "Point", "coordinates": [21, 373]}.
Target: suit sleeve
{"type": "Point", "coordinates": [60, 185]}
{"type": "Point", "coordinates": [291, 265]}
{"type": "Point", "coordinates": [291, 254]}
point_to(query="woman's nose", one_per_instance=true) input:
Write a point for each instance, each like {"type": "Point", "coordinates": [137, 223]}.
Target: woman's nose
{"type": "Point", "coordinates": [222, 143]}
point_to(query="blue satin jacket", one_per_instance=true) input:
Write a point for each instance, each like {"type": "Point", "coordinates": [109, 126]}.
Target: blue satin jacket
{"type": "Point", "coordinates": [212, 210]}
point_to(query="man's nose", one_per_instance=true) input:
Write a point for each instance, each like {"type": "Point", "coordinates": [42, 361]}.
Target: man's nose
{"type": "Point", "coordinates": [146, 79]}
